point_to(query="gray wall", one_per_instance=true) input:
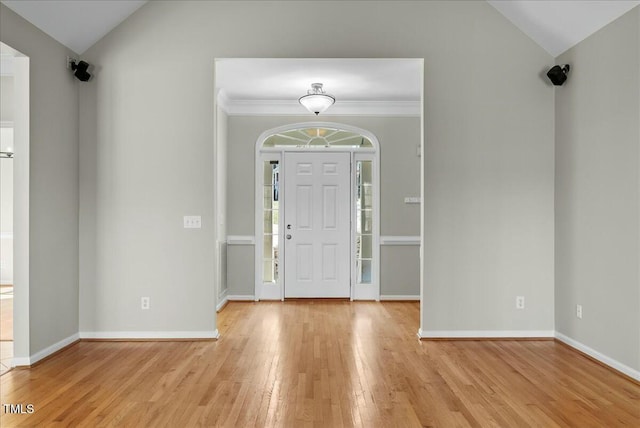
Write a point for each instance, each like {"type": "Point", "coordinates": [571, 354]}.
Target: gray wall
{"type": "Point", "coordinates": [399, 138]}
{"type": "Point", "coordinates": [597, 192]}
{"type": "Point", "coordinates": [399, 270]}
{"type": "Point", "coordinates": [53, 217]}
{"type": "Point", "coordinates": [488, 155]}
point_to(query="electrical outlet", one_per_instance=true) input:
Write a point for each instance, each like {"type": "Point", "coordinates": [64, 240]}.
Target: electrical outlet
{"type": "Point", "coordinates": [520, 302]}
{"type": "Point", "coordinates": [145, 303]}
{"type": "Point", "coordinates": [579, 311]}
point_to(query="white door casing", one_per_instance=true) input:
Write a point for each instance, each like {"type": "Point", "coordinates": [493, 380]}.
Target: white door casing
{"type": "Point", "coordinates": [275, 289]}
{"type": "Point", "coordinates": [317, 224]}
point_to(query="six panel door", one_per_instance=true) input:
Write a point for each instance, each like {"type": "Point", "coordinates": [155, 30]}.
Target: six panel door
{"type": "Point", "coordinates": [317, 224]}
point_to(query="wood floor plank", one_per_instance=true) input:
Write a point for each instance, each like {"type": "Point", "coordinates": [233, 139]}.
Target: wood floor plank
{"type": "Point", "coordinates": [320, 364]}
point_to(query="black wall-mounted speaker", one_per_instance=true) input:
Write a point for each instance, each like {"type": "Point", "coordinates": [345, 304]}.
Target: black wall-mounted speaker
{"type": "Point", "coordinates": [80, 70]}
{"type": "Point", "coordinates": [558, 75]}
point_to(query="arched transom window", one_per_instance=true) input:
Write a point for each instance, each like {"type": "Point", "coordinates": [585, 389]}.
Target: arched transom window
{"type": "Point", "coordinates": [317, 137]}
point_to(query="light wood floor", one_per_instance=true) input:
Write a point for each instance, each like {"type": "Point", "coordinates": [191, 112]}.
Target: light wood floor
{"type": "Point", "coordinates": [321, 363]}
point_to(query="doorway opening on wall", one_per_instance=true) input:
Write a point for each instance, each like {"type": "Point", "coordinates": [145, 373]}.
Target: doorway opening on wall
{"type": "Point", "coordinates": [6, 228]}
{"type": "Point", "coordinates": [317, 230]}
{"type": "Point", "coordinates": [14, 208]}
{"type": "Point", "coordinates": [267, 145]}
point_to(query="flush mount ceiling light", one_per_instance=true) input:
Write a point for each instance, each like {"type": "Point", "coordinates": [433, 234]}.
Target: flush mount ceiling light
{"type": "Point", "coordinates": [316, 100]}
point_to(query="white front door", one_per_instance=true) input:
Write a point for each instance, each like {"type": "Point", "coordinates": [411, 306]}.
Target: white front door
{"type": "Point", "coordinates": [317, 224]}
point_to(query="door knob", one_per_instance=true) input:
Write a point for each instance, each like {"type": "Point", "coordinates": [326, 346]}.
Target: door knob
{"type": "Point", "coordinates": [288, 236]}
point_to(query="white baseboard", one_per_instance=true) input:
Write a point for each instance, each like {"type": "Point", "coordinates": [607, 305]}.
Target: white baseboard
{"type": "Point", "coordinates": [484, 334]}
{"type": "Point", "coordinates": [32, 359]}
{"type": "Point", "coordinates": [132, 335]}
{"type": "Point", "coordinates": [221, 303]}
{"type": "Point", "coordinates": [392, 297]}
{"type": "Point", "coordinates": [240, 297]}
{"type": "Point", "coordinates": [632, 373]}
{"type": "Point", "coordinates": [222, 300]}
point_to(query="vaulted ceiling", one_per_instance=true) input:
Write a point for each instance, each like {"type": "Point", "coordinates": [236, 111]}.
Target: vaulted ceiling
{"type": "Point", "coordinates": [77, 24]}
{"type": "Point", "coordinates": [556, 25]}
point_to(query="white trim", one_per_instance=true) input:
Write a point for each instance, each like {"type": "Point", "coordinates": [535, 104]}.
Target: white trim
{"type": "Point", "coordinates": [399, 240]}
{"type": "Point", "coordinates": [615, 364]}
{"type": "Point", "coordinates": [116, 335]}
{"type": "Point", "coordinates": [6, 65]}
{"type": "Point", "coordinates": [241, 240]}
{"type": "Point", "coordinates": [365, 291]}
{"type": "Point", "coordinates": [20, 362]}
{"type": "Point", "coordinates": [240, 297]}
{"type": "Point", "coordinates": [423, 160]}
{"type": "Point", "coordinates": [222, 100]}
{"type": "Point", "coordinates": [219, 204]}
{"type": "Point", "coordinates": [21, 208]}
{"type": "Point", "coordinates": [270, 291]}
{"type": "Point", "coordinates": [340, 108]}
{"type": "Point", "coordinates": [222, 300]}
{"type": "Point", "coordinates": [16, 362]}
{"type": "Point", "coordinates": [392, 297]}
{"type": "Point", "coordinates": [483, 334]}
{"type": "Point", "coordinates": [6, 235]}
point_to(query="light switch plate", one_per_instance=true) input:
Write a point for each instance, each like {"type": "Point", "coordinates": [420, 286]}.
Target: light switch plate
{"type": "Point", "coordinates": [192, 222]}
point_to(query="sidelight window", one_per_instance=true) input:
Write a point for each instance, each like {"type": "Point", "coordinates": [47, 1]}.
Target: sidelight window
{"type": "Point", "coordinates": [364, 221]}
{"type": "Point", "coordinates": [271, 217]}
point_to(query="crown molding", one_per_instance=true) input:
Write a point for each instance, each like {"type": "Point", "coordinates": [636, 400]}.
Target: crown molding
{"type": "Point", "coordinates": [340, 108]}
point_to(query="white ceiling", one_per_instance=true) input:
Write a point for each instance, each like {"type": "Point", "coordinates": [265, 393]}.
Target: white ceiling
{"type": "Point", "coordinates": [557, 25]}
{"type": "Point", "coordinates": [77, 24]}
{"type": "Point", "coordinates": [346, 79]}
{"type": "Point", "coordinates": [360, 86]}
